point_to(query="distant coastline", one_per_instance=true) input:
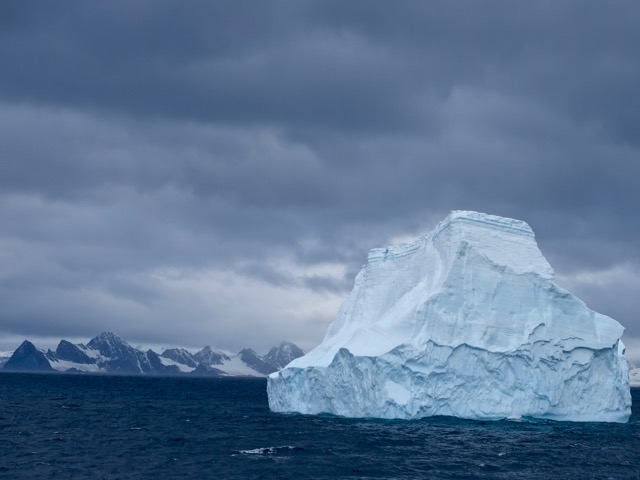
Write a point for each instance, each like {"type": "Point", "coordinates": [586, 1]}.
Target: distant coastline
{"type": "Point", "coordinates": [108, 353]}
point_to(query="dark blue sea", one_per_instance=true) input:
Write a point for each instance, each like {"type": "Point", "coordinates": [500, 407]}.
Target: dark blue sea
{"type": "Point", "coordinates": [75, 426]}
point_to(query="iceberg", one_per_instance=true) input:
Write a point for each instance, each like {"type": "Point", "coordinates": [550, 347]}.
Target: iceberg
{"type": "Point", "coordinates": [467, 321]}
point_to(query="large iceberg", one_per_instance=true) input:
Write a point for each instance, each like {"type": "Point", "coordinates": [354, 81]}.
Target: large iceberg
{"type": "Point", "coordinates": [466, 321]}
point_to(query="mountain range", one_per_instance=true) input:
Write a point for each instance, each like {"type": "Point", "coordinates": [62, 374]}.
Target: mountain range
{"type": "Point", "coordinates": [108, 353]}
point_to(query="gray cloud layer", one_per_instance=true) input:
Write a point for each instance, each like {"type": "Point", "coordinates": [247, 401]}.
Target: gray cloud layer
{"type": "Point", "coordinates": [216, 172]}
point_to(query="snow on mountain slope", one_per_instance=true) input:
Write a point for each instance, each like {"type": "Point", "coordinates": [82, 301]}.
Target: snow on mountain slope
{"type": "Point", "coordinates": [181, 366]}
{"type": "Point", "coordinates": [465, 321]}
{"type": "Point", "coordinates": [280, 356]}
{"type": "Point", "coordinates": [109, 353]}
{"type": "Point", "coordinates": [234, 365]}
{"type": "Point", "coordinates": [4, 356]}
{"type": "Point", "coordinates": [65, 366]}
{"type": "Point", "coordinates": [179, 356]}
{"type": "Point", "coordinates": [209, 356]}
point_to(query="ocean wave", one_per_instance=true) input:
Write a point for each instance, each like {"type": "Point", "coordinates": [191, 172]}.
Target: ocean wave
{"type": "Point", "coordinates": [266, 450]}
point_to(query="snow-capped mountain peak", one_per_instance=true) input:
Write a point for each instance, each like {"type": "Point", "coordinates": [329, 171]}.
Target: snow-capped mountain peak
{"type": "Point", "coordinates": [283, 354]}
{"type": "Point", "coordinates": [108, 344]}
{"type": "Point", "coordinates": [109, 353]}
{"type": "Point", "coordinates": [209, 356]}
{"type": "Point", "coordinates": [180, 356]}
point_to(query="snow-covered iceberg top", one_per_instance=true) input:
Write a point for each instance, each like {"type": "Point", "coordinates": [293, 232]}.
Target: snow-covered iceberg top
{"type": "Point", "coordinates": [465, 321]}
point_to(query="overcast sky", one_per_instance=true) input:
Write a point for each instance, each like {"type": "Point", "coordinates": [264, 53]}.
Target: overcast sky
{"type": "Point", "coordinates": [191, 173]}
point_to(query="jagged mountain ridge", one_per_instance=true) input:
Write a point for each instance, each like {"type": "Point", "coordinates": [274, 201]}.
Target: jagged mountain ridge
{"type": "Point", "coordinates": [72, 353]}
{"type": "Point", "coordinates": [109, 353]}
{"type": "Point", "coordinates": [180, 355]}
{"type": "Point", "coordinates": [281, 356]}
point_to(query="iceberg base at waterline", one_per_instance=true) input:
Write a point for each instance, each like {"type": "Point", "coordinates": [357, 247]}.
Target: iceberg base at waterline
{"type": "Point", "coordinates": [468, 322]}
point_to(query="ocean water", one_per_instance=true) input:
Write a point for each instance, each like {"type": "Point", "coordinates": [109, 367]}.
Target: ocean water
{"type": "Point", "coordinates": [68, 426]}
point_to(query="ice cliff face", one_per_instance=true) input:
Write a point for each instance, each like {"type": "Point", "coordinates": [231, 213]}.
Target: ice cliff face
{"type": "Point", "coordinates": [467, 321]}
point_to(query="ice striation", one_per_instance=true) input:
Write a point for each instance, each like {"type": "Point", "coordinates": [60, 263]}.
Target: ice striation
{"type": "Point", "coordinates": [468, 322]}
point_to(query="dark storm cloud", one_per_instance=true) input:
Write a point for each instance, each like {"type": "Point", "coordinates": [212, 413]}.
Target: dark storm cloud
{"type": "Point", "coordinates": [359, 65]}
{"type": "Point", "coordinates": [213, 62]}
{"type": "Point", "coordinates": [144, 143]}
